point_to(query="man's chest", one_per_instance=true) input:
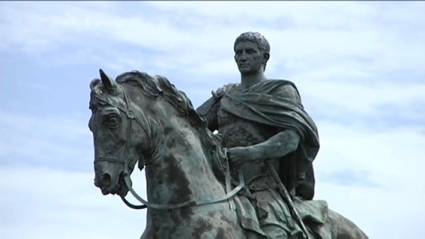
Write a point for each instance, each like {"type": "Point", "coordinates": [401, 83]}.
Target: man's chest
{"type": "Point", "coordinates": [237, 131]}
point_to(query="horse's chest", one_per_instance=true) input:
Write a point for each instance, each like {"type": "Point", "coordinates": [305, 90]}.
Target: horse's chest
{"type": "Point", "coordinates": [240, 132]}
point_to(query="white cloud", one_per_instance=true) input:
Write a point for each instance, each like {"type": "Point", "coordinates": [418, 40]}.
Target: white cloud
{"type": "Point", "coordinates": [393, 160]}
{"type": "Point", "coordinates": [42, 203]}
{"type": "Point", "coordinates": [46, 140]}
{"type": "Point", "coordinates": [362, 98]}
{"type": "Point", "coordinates": [346, 29]}
{"type": "Point", "coordinates": [394, 150]}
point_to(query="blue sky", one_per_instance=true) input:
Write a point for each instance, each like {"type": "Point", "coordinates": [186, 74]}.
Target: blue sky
{"type": "Point", "coordinates": [358, 67]}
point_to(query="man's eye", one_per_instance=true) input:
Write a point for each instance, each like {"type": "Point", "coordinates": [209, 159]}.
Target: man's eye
{"type": "Point", "coordinates": [112, 120]}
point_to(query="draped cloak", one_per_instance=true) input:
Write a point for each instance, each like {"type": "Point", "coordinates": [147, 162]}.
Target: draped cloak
{"type": "Point", "coordinates": [260, 103]}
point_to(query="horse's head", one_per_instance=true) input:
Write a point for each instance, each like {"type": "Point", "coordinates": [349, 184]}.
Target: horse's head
{"type": "Point", "coordinates": [140, 117]}
{"type": "Point", "coordinates": [121, 134]}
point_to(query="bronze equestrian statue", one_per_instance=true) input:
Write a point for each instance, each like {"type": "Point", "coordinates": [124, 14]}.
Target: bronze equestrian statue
{"type": "Point", "coordinates": [253, 178]}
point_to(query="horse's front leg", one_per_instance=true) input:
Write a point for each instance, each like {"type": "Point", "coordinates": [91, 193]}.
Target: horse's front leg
{"type": "Point", "coordinates": [148, 233]}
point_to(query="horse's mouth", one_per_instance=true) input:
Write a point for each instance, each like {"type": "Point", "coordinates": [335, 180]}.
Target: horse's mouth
{"type": "Point", "coordinates": [118, 188]}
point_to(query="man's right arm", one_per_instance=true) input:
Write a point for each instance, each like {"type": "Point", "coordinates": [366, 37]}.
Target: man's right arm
{"type": "Point", "coordinates": [208, 111]}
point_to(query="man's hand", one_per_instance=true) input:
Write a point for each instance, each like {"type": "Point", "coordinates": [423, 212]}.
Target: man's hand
{"type": "Point", "coordinates": [238, 156]}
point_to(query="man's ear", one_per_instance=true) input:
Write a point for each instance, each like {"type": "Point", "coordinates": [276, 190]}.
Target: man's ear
{"type": "Point", "coordinates": [266, 57]}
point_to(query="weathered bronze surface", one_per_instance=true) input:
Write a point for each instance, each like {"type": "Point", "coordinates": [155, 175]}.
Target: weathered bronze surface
{"type": "Point", "coordinates": [264, 134]}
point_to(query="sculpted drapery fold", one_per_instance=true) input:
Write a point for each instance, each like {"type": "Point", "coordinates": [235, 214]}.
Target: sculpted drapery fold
{"type": "Point", "coordinates": [277, 103]}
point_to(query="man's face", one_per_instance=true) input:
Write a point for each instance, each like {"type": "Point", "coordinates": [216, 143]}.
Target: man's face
{"type": "Point", "coordinates": [248, 58]}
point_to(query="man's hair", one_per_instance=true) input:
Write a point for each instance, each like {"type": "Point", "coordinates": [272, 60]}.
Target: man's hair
{"type": "Point", "coordinates": [255, 37]}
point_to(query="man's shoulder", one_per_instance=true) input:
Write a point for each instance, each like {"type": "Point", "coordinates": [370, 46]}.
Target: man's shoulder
{"type": "Point", "coordinates": [280, 87]}
{"type": "Point", "coordinates": [230, 86]}
{"type": "Point", "coordinates": [227, 88]}
{"type": "Point", "coordinates": [271, 87]}
{"type": "Point", "coordinates": [281, 83]}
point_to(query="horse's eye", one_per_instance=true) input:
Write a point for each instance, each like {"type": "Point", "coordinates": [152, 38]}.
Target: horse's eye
{"type": "Point", "coordinates": [112, 120]}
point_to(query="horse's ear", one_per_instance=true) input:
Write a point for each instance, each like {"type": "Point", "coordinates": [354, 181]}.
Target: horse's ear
{"type": "Point", "coordinates": [94, 83]}
{"type": "Point", "coordinates": [108, 83]}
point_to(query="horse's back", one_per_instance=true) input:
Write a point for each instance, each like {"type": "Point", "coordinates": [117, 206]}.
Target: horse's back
{"type": "Point", "coordinates": [343, 228]}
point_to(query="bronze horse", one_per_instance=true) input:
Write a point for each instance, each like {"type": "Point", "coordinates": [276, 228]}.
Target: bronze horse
{"type": "Point", "coordinates": [144, 119]}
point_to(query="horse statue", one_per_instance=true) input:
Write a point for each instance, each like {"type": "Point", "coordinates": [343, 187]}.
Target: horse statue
{"type": "Point", "coordinates": [144, 119]}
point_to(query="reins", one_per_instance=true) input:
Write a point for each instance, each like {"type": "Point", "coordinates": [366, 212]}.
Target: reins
{"type": "Point", "coordinates": [147, 204]}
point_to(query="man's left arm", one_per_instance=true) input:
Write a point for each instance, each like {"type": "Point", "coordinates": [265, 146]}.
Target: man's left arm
{"type": "Point", "coordinates": [277, 146]}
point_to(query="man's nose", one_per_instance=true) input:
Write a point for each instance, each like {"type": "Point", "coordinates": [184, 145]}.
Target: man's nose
{"type": "Point", "coordinates": [242, 57]}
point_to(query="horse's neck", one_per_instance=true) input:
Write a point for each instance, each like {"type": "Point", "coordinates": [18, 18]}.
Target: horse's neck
{"type": "Point", "coordinates": [180, 172]}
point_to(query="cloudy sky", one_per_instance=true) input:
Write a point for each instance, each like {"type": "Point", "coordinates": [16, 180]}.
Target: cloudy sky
{"type": "Point", "coordinates": [359, 67]}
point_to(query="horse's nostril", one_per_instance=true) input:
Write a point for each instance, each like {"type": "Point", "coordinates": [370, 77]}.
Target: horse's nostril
{"type": "Point", "coordinates": [105, 179]}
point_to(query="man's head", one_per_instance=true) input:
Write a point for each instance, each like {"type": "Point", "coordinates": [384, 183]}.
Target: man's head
{"type": "Point", "coordinates": [258, 42]}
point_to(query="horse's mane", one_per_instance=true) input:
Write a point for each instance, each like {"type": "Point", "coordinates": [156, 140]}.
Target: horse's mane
{"type": "Point", "coordinates": [155, 86]}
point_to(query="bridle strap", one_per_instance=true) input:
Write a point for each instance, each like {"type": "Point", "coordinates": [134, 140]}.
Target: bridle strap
{"type": "Point", "coordinates": [147, 204]}
{"type": "Point", "coordinates": [130, 115]}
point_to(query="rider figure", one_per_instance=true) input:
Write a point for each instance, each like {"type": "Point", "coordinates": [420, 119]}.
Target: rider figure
{"type": "Point", "coordinates": [264, 120]}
